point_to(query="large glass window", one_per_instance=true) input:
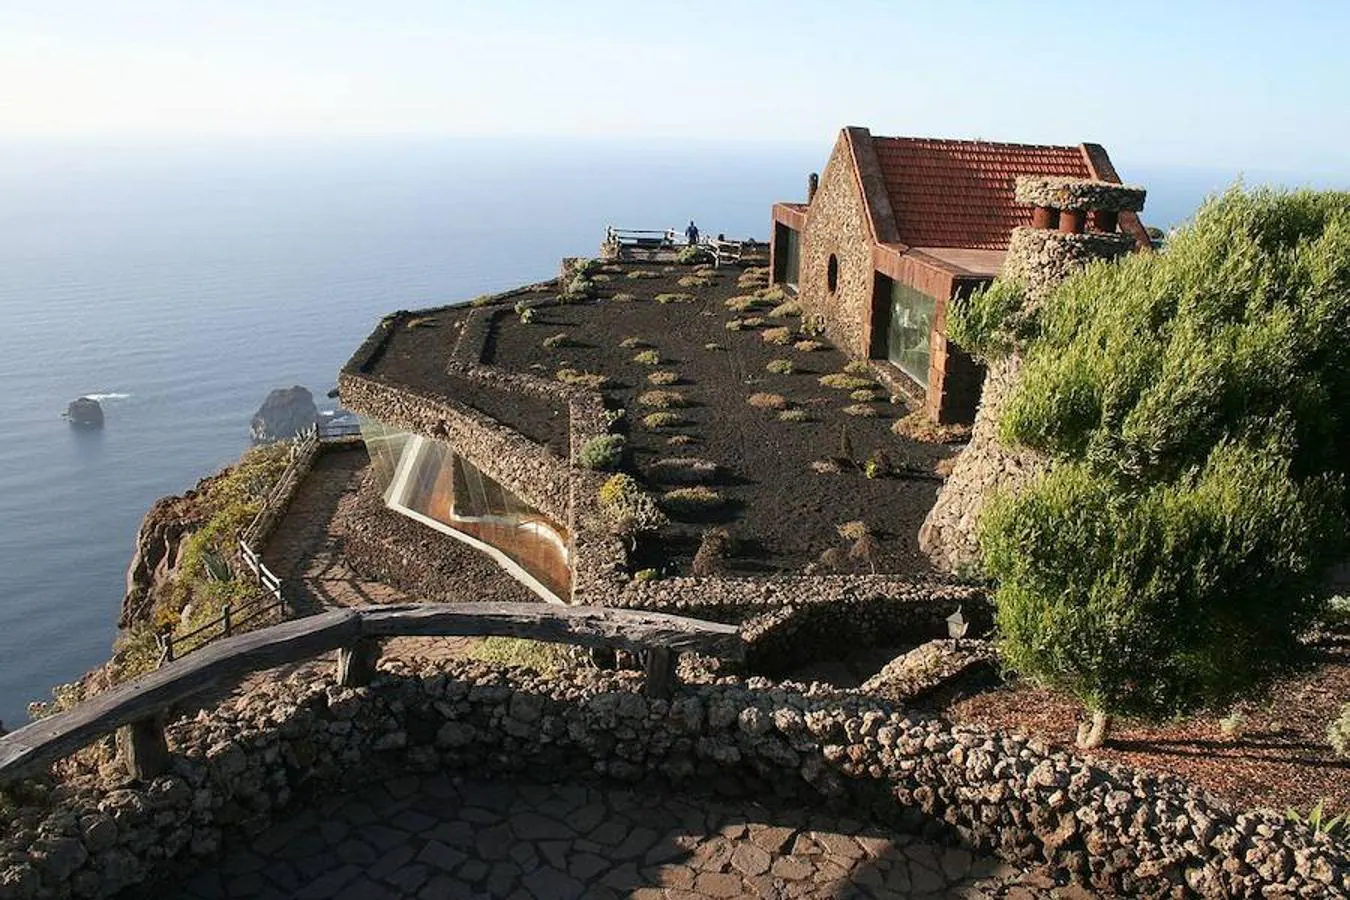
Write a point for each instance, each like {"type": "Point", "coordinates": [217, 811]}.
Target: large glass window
{"type": "Point", "coordinates": [907, 336]}
{"type": "Point", "coordinates": [792, 248]}
{"type": "Point", "coordinates": [428, 481]}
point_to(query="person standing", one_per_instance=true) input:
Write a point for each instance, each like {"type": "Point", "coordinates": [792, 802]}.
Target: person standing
{"type": "Point", "coordinates": [691, 233]}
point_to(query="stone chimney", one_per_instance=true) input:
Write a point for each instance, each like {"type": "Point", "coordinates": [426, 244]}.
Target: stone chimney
{"type": "Point", "coordinates": [1074, 221]}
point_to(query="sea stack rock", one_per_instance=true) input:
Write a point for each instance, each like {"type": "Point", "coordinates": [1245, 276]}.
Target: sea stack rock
{"type": "Point", "coordinates": [285, 413]}
{"type": "Point", "coordinates": [85, 412]}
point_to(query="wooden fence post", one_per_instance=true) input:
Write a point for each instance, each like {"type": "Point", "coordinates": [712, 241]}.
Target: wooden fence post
{"type": "Point", "coordinates": [225, 618]}
{"type": "Point", "coordinates": [661, 672]}
{"type": "Point", "coordinates": [143, 748]}
{"type": "Point", "coordinates": [356, 663]}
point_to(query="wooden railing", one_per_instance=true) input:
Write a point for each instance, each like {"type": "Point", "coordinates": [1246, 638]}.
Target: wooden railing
{"type": "Point", "coordinates": [140, 707]}
{"type": "Point", "coordinates": [640, 237]}
{"type": "Point", "coordinates": [302, 452]}
{"type": "Point", "coordinates": [725, 251]}
{"type": "Point", "coordinates": [231, 618]}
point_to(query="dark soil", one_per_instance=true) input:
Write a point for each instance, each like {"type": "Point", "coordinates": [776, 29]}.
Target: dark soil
{"type": "Point", "coordinates": [417, 358]}
{"type": "Point", "coordinates": [782, 514]}
{"type": "Point", "coordinates": [1274, 752]}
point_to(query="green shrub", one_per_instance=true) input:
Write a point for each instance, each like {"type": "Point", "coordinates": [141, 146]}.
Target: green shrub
{"type": "Point", "coordinates": [680, 440]}
{"type": "Point", "coordinates": [662, 420]}
{"type": "Point", "coordinates": [582, 379]}
{"type": "Point", "coordinates": [629, 509]}
{"type": "Point", "coordinates": [674, 298]}
{"type": "Point", "coordinates": [858, 367]}
{"type": "Point", "coordinates": [742, 304]}
{"type": "Point", "coordinates": [526, 315]}
{"type": "Point", "coordinates": [808, 346]}
{"type": "Point", "coordinates": [860, 411]}
{"type": "Point", "coordinates": [579, 288]}
{"type": "Point", "coordinates": [844, 382]}
{"type": "Point", "coordinates": [793, 415]}
{"type": "Point", "coordinates": [780, 336]}
{"type": "Point", "coordinates": [691, 501]}
{"type": "Point", "coordinates": [662, 399]}
{"type": "Point", "coordinates": [633, 343]}
{"type": "Point", "coordinates": [540, 656]}
{"type": "Point", "coordinates": [690, 281]}
{"type": "Point", "coordinates": [780, 366]}
{"type": "Point", "coordinates": [788, 310]}
{"type": "Point", "coordinates": [1192, 402]}
{"type": "Point", "coordinates": [772, 294]}
{"type": "Point", "coordinates": [644, 575]}
{"type": "Point", "coordinates": [640, 274]}
{"type": "Point", "coordinates": [604, 452]}
{"type": "Point", "coordinates": [648, 358]}
{"type": "Point", "coordinates": [623, 297]}
{"type": "Point", "coordinates": [663, 377]}
{"type": "Point", "coordinates": [1318, 821]}
{"type": "Point", "coordinates": [862, 396]}
{"type": "Point", "coordinates": [1338, 733]}
{"type": "Point", "coordinates": [690, 255]}
{"type": "Point", "coordinates": [481, 300]}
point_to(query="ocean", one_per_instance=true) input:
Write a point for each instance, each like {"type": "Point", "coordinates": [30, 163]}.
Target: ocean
{"type": "Point", "coordinates": [180, 284]}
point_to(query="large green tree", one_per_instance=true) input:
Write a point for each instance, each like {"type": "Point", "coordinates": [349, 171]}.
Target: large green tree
{"type": "Point", "coordinates": [1196, 406]}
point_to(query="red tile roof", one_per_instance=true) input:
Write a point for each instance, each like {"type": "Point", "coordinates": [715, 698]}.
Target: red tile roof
{"type": "Point", "coordinates": [960, 193]}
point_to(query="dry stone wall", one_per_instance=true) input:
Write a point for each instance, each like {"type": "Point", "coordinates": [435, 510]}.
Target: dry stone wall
{"type": "Point", "coordinates": [236, 767]}
{"type": "Point", "coordinates": [837, 225]}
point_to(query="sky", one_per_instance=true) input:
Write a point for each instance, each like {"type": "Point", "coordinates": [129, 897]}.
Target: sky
{"type": "Point", "coordinates": [1248, 85]}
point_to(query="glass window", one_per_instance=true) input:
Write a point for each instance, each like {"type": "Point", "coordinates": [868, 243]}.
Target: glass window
{"type": "Point", "coordinates": [793, 264]}
{"type": "Point", "coordinates": [426, 480]}
{"type": "Point", "coordinates": [907, 337]}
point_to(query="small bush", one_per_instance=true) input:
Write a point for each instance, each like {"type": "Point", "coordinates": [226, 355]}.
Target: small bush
{"type": "Point", "coordinates": [600, 278]}
{"type": "Point", "coordinates": [691, 501]}
{"type": "Point", "coordinates": [641, 274]}
{"type": "Point", "coordinates": [713, 348]}
{"type": "Point", "coordinates": [788, 310]}
{"type": "Point", "coordinates": [918, 427]}
{"type": "Point", "coordinates": [1338, 733]}
{"type": "Point", "coordinates": [481, 300]}
{"type": "Point", "coordinates": [623, 297]}
{"type": "Point", "coordinates": [604, 452]}
{"type": "Point", "coordinates": [662, 399]}
{"type": "Point", "coordinates": [845, 382]}
{"type": "Point", "coordinates": [772, 294]}
{"type": "Point", "coordinates": [808, 346]}
{"type": "Point", "coordinates": [853, 531]}
{"type": "Point", "coordinates": [752, 321]}
{"type": "Point", "coordinates": [713, 547]}
{"type": "Point", "coordinates": [735, 325]}
{"type": "Point", "coordinates": [858, 367]}
{"type": "Point", "coordinates": [642, 576]}
{"type": "Point", "coordinates": [663, 377]}
{"type": "Point", "coordinates": [540, 656]}
{"type": "Point", "coordinates": [793, 415]}
{"type": "Point", "coordinates": [780, 336]}
{"type": "Point", "coordinates": [662, 420]}
{"type": "Point", "coordinates": [633, 343]}
{"type": "Point", "coordinates": [862, 396]}
{"type": "Point", "coordinates": [691, 281]}
{"type": "Point", "coordinates": [674, 298]}
{"type": "Point", "coordinates": [878, 465]}
{"type": "Point", "coordinates": [780, 366]}
{"type": "Point", "coordinates": [558, 340]}
{"type": "Point", "coordinates": [526, 315]}
{"type": "Point", "coordinates": [680, 440]}
{"type": "Point", "coordinates": [743, 303]}
{"type": "Point", "coordinates": [578, 288]}
{"type": "Point", "coordinates": [767, 401]}
{"type": "Point", "coordinates": [648, 358]}
{"type": "Point", "coordinates": [860, 411]}
{"type": "Point", "coordinates": [825, 467]}
{"type": "Point", "coordinates": [690, 255]}
{"type": "Point", "coordinates": [582, 379]}
{"type": "Point", "coordinates": [629, 508]}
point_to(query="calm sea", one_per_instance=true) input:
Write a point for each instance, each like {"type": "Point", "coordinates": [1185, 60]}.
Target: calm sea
{"type": "Point", "coordinates": [180, 285]}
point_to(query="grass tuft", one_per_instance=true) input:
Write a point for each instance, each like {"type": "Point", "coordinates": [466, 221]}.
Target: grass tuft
{"type": "Point", "coordinates": [767, 401]}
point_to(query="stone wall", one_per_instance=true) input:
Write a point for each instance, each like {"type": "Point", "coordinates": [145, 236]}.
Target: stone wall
{"type": "Point", "coordinates": [837, 224]}
{"type": "Point", "coordinates": [236, 767]}
{"type": "Point", "coordinates": [1039, 259]}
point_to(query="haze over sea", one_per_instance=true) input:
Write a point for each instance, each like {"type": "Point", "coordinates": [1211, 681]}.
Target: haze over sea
{"type": "Point", "coordinates": [181, 284]}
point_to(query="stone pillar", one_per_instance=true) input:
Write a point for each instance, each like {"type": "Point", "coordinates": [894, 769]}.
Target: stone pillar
{"type": "Point", "coordinates": [1039, 259]}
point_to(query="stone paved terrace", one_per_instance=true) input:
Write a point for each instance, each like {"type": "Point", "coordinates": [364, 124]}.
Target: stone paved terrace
{"type": "Point", "coordinates": [438, 837]}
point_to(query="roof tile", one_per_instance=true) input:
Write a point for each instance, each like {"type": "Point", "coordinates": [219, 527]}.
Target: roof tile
{"type": "Point", "coordinates": [949, 193]}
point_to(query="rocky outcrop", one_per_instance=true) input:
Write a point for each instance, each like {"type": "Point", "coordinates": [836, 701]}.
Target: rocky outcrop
{"type": "Point", "coordinates": [85, 412]}
{"type": "Point", "coordinates": [236, 767]}
{"type": "Point", "coordinates": [169, 522]}
{"type": "Point", "coordinates": [285, 413]}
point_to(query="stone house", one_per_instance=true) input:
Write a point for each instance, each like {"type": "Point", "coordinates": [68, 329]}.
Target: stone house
{"type": "Point", "coordinates": [899, 228]}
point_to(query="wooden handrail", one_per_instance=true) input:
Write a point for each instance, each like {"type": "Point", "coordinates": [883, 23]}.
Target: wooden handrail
{"type": "Point", "coordinates": [140, 706]}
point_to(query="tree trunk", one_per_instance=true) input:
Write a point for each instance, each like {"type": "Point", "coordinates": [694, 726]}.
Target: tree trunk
{"type": "Point", "coordinates": [1093, 734]}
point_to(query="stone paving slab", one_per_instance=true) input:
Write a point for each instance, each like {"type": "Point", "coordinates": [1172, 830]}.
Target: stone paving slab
{"type": "Point", "coordinates": [437, 837]}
